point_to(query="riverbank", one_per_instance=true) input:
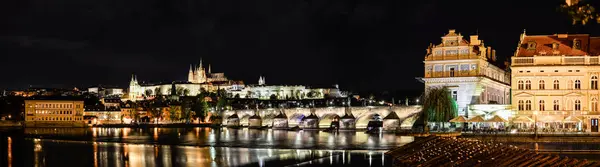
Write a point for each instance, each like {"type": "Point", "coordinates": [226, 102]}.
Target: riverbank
{"type": "Point", "coordinates": [447, 151]}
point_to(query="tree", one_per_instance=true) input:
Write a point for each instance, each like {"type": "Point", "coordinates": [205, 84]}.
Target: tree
{"type": "Point", "coordinates": [273, 97]}
{"type": "Point", "coordinates": [174, 113]}
{"type": "Point", "coordinates": [201, 107]}
{"type": "Point", "coordinates": [438, 105]}
{"type": "Point", "coordinates": [148, 93]}
{"type": "Point", "coordinates": [580, 11]}
{"type": "Point", "coordinates": [158, 91]}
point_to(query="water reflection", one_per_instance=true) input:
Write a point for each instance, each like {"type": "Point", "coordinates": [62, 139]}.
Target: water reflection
{"type": "Point", "coordinates": [252, 138]}
{"type": "Point", "coordinates": [138, 155]}
{"type": "Point", "coordinates": [130, 147]}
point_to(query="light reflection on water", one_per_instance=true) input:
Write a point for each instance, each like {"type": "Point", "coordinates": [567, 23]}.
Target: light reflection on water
{"type": "Point", "coordinates": [228, 137]}
{"type": "Point", "coordinates": [127, 147]}
{"type": "Point", "coordinates": [134, 155]}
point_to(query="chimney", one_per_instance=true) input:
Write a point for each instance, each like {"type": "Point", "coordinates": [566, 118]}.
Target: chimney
{"type": "Point", "coordinates": [489, 52]}
{"type": "Point", "coordinates": [494, 55]}
{"type": "Point", "coordinates": [475, 40]}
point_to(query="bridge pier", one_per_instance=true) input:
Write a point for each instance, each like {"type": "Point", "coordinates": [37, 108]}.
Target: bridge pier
{"type": "Point", "coordinates": [255, 121]}
{"type": "Point", "coordinates": [280, 121]}
{"type": "Point", "coordinates": [233, 120]}
{"type": "Point", "coordinates": [391, 122]}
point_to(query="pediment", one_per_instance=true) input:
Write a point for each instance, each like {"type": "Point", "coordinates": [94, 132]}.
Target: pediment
{"type": "Point", "coordinates": [574, 94]}
{"type": "Point", "coordinates": [523, 94]}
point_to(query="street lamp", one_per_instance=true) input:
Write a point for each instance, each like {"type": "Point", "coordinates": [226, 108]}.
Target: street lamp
{"type": "Point", "coordinates": [535, 113]}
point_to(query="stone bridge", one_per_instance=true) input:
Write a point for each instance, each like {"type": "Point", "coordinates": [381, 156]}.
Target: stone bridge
{"type": "Point", "coordinates": [326, 115]}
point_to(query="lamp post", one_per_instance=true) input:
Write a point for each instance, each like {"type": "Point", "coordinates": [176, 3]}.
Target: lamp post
{"type": "Point", "coordinates": [535, 124]}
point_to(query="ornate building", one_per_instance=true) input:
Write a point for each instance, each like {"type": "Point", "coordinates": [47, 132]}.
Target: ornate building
{"type": "Point", "coordinates": [555, 80]}
{"type": "Point", "coordinates": [466, 69]}
{"type": "Point", "coordinates": [282, 92]}
{"type": "Point", "coordinates": [198, 80]}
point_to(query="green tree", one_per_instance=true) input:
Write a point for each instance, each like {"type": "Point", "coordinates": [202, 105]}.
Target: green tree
{"type": "Point", "coordinates": [158, 91]}
{"type": "Point", "coordinates": [148, 93]}
{"type": "Point", "coordinates": [201, 107]}
{"type": "Point", "coordinates": [186, 110]}
{"type": "Point", "coordinates": [581, 11]}
{"type": "Point", "coordinates": [439, 106]}
{"type": "Point", "coordinates": [174, 113]}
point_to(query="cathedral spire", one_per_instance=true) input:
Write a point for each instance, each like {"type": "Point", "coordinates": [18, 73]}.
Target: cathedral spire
{"type": "Point", "coordinates": [200, 65]}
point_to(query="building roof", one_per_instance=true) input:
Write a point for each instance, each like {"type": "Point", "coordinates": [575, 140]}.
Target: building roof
{"type": "Point", "coordinates": [66, 98]}
{"type": "Point", "coordinates": [544, 45]}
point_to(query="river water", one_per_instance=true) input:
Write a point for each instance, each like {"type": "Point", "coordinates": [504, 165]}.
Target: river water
{"type": "Point", "coordinates": [132, 147]}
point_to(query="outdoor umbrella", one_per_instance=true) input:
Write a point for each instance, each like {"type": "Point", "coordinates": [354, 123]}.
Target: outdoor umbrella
{"type": "Point", "coordinates": [496, 118]}
{"type": "Point", "coordinates": [572, 119]}
{"type": "Point", "coordinates": [476, 119]}
{"type": "Point", "coordinates": [522, 119]}
{"type": "Point", "coordinates": [458, 119]}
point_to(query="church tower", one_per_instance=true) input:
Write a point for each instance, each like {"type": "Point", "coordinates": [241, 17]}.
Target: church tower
{"type": "Point", "coordinates": [261, 80]}
{"type": "Point", "coordinates": [134, 88]}
{"type": "Point", "coordinates": [191, 74]}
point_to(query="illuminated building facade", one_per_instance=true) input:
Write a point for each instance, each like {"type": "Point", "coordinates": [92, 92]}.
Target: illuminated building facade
{"type": "Point", "coordinates": [198, 80]}
{"type": "Point", "coordinates": [53, 112]}
{"type": "Point", "coordinates": [555, 80]}
{"type": "Point", "coordinates": [466, 68]}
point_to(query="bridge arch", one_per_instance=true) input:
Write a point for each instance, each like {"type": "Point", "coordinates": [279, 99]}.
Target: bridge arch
{"type": "Point", "coordinates": [295, 119]}
{"type": "Point", "coordinates": [363, 120]}
{"type": "Point", "coordinates": [326, 119]}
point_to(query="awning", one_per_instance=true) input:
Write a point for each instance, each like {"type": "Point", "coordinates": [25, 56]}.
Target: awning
{"type": "Point", "coordinates": [572, 119]}
{"type": "Point", "coordinates": [476, 119]}
{"type": "Point", "coordinates": [459, 119]}
{"type": "Point", "coordinates": [496, 118]}
{"type": "Point", "coordinates": [522, 119]}
{"type": "Point", "coordinates": [549, 118]}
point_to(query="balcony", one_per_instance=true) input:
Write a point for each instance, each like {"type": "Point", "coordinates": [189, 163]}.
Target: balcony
{"type": "Point", "coordinates": [555, 60]}
{"type": "Point", "coordinates": [452, 57]}
{"type": "Point", "coordinates": [469, 73]}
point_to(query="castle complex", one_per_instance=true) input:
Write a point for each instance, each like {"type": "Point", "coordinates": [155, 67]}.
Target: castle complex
{"type": "Point", "coordinates": [201, 79]}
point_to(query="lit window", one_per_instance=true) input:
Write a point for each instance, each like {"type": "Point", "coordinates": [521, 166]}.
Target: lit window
{"type": "Point", "coordinates": [521, 108]}
{"type": "Point", "coordinates": [531, 45]}
{"type": "Point", "coordinates": [555, 46]}
{"type": "Point", "coordinates": [520, 85]}
{"type": "Point", "coordinates": [577, 44]}
{"type": "Point", "coordinates": [594, 83]}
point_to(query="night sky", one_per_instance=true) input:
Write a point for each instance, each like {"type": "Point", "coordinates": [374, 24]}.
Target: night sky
{"type": "Point", "coordinates": [363, 45]}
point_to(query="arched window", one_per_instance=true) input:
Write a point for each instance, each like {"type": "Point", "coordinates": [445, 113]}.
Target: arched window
{"type": "Point", "coordinates": [577, 105]}
{"type": "Point", "coordinates": [594, 106]}
{"type": "Point", "coordinates": [570, 84]}
{"type": "Point", "coordinates": [556, 105]}
{"type": "Point", "coordinates": [556, 84]}
{"type": "Point", "coordinates": [577, 84]}
{"type": "Point", "coordinates": [521, 105]}
{"type": "Point", "coordinates": [542, 105]}
{"type": "Point", "coordinates": [528, 85]}
{"type": "Point", "coordinates": [528, 105]}
{"type": "Point", "coordinates": [594, 83]}
{"type": "Point", "coordinates": [520, 85]}
{"type": "Point", "coordinates": [542, 85]}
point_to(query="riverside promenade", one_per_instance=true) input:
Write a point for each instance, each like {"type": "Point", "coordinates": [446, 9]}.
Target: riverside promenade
{"type": "Point", "coordinates": [452, 151]}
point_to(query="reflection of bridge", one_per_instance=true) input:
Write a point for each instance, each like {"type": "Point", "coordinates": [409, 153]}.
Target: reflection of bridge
{"type": "Point", "coordinates": [362, 115]}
